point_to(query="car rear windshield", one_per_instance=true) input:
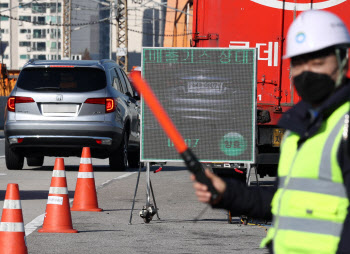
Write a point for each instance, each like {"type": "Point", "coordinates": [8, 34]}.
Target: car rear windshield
{"type": "Point", "coordinates": [62, 79]}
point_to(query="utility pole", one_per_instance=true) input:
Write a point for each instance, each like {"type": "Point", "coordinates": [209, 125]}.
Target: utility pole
{"type": "Point", "coordinates": [122, 33]}
{"type": "Point", "coordinates": [1, 52]}
{"type": "Point", "coordinates": [67, 7]}
{"type": "Point", "coordinates": [110, 28]}
{"type": "Point", "coordinates": [57, 29]}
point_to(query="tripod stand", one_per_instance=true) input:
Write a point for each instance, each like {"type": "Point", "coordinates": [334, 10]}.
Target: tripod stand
{"type": "Point", "coordinates": [148, 211]}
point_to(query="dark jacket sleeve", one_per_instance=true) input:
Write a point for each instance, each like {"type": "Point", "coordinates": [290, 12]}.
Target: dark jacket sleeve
{"type": "Point", "coordinates": [240, 199]}
{"type": "Point", "coordinates": [344, 162]}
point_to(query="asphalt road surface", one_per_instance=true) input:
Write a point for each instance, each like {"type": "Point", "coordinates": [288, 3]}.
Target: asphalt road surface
{"type": "Point", "coordinates": [109, 231]}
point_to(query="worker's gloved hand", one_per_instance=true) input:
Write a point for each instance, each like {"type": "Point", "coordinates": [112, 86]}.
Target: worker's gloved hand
{"type": "Point", "coordinates": [202, 192]}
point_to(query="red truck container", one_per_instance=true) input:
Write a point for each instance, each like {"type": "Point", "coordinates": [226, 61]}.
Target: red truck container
{"type": "Point", "coordinates": [262, 24]}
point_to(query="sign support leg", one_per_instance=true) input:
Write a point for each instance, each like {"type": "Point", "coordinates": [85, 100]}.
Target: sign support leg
{"type": "Point", "coordinates": [148, 211]}
{"type": "Point", "coordinates": [133, 201]}
{"type": "Point", "coordinates": [148, 181]}
{"type": "Point", "coordinates": [154, 200]}
{"type": "Point", "coordinates": [256, 175]}
{"type": "Point", "coordinates": [249, 168]}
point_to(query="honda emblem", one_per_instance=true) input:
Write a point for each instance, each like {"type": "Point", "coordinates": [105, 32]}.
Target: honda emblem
{"type": "Point", "coordinates": [59, 97]}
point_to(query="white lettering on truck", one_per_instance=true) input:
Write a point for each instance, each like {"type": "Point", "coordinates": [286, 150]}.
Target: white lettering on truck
{"type": "Point", "coordinates": [298, 7]}
{"type": "Point", "coordinates": [266, 51]}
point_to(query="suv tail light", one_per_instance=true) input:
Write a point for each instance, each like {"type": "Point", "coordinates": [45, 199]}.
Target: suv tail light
{"type": "Point", "coordinates": [13, 100]}
{"type": "Point", "coordinates": [110, 103]}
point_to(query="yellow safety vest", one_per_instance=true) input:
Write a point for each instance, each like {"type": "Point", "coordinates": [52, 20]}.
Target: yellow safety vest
{"type": "Point", "coordinates": [311, 202]}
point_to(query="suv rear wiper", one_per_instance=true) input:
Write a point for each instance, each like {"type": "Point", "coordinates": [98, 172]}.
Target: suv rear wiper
{"type": "Point", "coordinates": [47, 88]}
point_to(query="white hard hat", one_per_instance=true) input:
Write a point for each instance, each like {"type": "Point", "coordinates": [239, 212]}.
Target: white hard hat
{"type": "Point", "coordinates": [314, 30]}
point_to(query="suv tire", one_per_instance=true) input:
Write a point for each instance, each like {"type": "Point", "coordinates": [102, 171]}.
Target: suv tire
{"type": "Point", "coordinates": [14, 161]}
{"type": "Point", "coordinates": [118, 161]}
{"type": "Point", "coordinates": [37, 161]}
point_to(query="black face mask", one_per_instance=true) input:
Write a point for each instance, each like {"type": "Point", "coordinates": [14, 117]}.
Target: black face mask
{"type": "Point", "coordinates": [313, 87]}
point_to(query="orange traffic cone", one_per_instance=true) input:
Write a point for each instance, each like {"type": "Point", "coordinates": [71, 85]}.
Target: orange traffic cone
{"type": "Point", "coordinates": [57, 217]}
{"type": "Point", "coordinates": [85, 198]}
{"type": "Point", "coordinates": [12, 236]}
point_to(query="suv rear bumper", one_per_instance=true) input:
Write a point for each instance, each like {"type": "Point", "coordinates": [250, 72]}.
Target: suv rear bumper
{"type": "Point", "coordinates": [38, 139]}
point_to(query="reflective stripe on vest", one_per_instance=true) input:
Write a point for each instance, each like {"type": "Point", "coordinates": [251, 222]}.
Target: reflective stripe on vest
{"type": "Point", "coordinates": [325, 170]}
{"type": "Point", "coordinates": [310, 225]}
{"type": "Point", "coordinates": [315, 185]}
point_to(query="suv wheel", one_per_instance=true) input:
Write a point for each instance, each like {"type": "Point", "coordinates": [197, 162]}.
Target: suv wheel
{"type": "Point", "coordinates": [37, 161]}
{"type": "Point", "coordinates": [118, 161]}
{"type": "Point", "coordinates": [13, 159]}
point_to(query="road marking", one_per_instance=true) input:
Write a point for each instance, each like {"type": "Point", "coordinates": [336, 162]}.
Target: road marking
{"type": "Point", "coordinates": [38, 221]}
{"type": "Point", "coordinates": [2, 156]}
{"type": "Point", "coordinates": [34, 224]}
{"type": "Point", "coordinates": [3, 174]}
{"type": "Point", "coordinates": [117, 178]}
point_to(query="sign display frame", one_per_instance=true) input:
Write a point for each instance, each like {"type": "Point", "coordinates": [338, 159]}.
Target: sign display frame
{"type": "Point", "coordinates": [244, 152]}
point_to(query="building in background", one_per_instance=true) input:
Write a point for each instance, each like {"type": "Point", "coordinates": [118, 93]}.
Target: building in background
{"type": "Point", "coordinates": [146, 21]}
{"type": "Point", "coordinates": [28, 28]}
{"type": "Point", "coordinates": [35, 36]}
{"type": "Point", "coordinates": [178, 27]}
{"type": "Point", "coordinates": [90, 41]}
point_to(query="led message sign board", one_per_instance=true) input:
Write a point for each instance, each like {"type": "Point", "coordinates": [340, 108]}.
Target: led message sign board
{"type": "Point", "coordinates": [210, 95]}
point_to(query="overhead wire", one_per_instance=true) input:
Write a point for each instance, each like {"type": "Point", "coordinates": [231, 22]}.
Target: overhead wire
{"type": "Point", "coordinates": [162, 5]}
{"type": "Point", "coordinates": [162, 35]}
{"type": "Point", "coordinates": [92, 23]}
{"type": "Point", "coordinates": [142, 4]}
{"type": "Point", "coordinates": [166, 6]}
{"type": "Point", "coordinates": [135, 9]}
{"type": "Point", "coordinates": [88, 8]}
{"type": "Point", "coordinates": [57, 24]}
{"type": "Point", "coordinates": [158, 34]}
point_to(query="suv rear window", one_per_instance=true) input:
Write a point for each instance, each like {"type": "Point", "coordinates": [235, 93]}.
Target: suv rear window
{"type": "Point", "coordinates": [62, 79]}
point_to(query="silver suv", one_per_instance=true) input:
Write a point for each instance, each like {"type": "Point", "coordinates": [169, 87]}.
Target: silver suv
{"type": "Point", "coordinates": [58, 107]}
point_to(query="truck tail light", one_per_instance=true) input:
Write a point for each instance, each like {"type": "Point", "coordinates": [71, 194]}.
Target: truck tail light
{"type": "Point", "coordinates": [13, 100]}
{"type": "Point", "coordinates": [110, 103]}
